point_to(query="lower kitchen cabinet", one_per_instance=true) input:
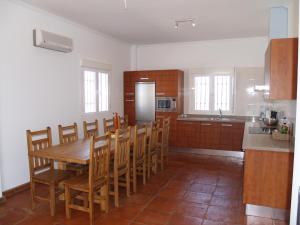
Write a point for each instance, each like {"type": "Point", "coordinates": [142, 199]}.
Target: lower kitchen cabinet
{"type": "Point", "coordinates": [210, 135]}
{"type": "Point", "coordinates": [187, 133]}
{"type": "Point", "coordinates": [268, 178]}
{"type": "Point", "coordinates": [231, 136]}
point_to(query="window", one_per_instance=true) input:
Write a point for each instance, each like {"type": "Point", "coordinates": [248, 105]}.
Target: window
{"type": "Point", "coordinates": [95, 91]}
{"type": "Point", "coordinates": [211, 91]}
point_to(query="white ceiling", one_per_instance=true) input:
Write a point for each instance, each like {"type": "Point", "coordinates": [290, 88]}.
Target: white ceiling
{"type": "Point", "coordinates": [152, 21]}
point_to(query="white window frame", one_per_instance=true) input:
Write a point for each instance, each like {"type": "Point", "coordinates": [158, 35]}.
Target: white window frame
{"type": "Point", "coordinates": [96, 71]}
{"type": "Point", "coordinates": [211, 73]}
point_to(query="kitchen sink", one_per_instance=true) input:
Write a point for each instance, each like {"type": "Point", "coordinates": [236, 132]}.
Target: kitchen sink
{"type": "Point", "coordinates": [221, 119]}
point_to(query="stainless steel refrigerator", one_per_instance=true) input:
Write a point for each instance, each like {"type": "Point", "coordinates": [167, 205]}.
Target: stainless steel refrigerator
{"type": "Point", "coordinates": [144, 102]}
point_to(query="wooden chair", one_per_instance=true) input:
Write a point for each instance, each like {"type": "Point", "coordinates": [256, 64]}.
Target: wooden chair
{"type": "Point", "coordinates": [95, 184]}
{"type": "Point", "coordinates": [139, 162]}
{"type": "Point", "coordinates": [90, 129]}
{"type": "Point", "coordinates": [163, 144]}
{"type": "Point", "coordinates": [160, 119]}
{"type": "Point", "coordinates": [123, 122]}
{"type": "Point", "coordinates": [69, 134]}
{"type": "Point", "coordinates": [152, 152]}
{"type": "Point", "coordinates": [121, 164]}
{"type": "Point", "coordinates": [108, 125]}
{"type": "Point", "coordinates": [42, 170]}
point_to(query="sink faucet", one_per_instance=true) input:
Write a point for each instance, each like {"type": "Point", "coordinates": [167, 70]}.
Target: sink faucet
{"type": "Point", "coordinates": [221, 115]}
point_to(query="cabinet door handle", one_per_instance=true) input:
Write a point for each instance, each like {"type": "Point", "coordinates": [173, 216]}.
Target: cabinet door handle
{"type": "Point", "coordinates": [160, 93]}
{"type": "Point", "coordinates": [226, 125]}
{"type": "Point", "coordinates": [144, 78]}
{"type": "Point", "coordinates": [205, 124]}
{"type": "Point", "coordinates": [129, 93]}
{"type": "Point", "coordinates": [129, 100]}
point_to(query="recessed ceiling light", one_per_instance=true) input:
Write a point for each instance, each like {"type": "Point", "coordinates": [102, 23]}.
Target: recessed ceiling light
{"type": "Point", "coordinates": [178, 22]}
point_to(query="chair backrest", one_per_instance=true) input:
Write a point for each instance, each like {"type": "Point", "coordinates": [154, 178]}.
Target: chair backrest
{"type": "Point", "coordinates": [90, 129]}
{"type": "Point", "coordinates": [68, 134]}
{"type": "Point", "coordinates": [123, 122]}
{"type": "Point", "coordinates": [153, 141]}
{"type": "Point", "coordinates": [122, 148]}
{"type": "Point", "coordinates": [160, 119]}
{"type": "Point", "coordinates": [99, 160]}
{"type": "Point", "coordinates": [140, 141]}
{"type": "Point", "coordinates": [108, 125]}
{"type": "Point", "coordinates": [166, 131]}
{"type": "Point", "coordinates": [37, 141]}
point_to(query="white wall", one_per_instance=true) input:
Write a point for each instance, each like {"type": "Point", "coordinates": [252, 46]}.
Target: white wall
{"type": "Point", "coordinates": [293, 8]}
{"type": "Point", "coordinates": [246, 54]}
{"type": "Point", "coordinates": [296, 175]}
{"type": "Point", "coordinates": [40, 88]}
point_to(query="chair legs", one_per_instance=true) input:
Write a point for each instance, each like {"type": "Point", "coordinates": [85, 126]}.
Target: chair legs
{"type": "Point", "coordinates": [116, 190]}
{"type": "Point", "coordinates": [91, 208]}
{"type": "Point", "coordinates": [134, 174]}
{"type": "Point", "coordinates": [106, 197]}
{"type": "Point", "coordinates": [68, 201]}
{"type": "Point", "coordinates": [144, 172]}
{"type": "Point", "coordinates": [32, 190]}
{"type": "Point", "coordinates": [128, 182]}
{"type": "Point", "coordinates": [52, 199]}
{"type": "Point", "coordinates": [161, 160]}
{"type": "Point", "coordinates": [154, 163]}
{"type": "Point", "coordinates": [148, 165]}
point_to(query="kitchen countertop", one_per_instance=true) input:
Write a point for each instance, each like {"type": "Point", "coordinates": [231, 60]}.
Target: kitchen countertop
{"type": "Point", "coordinates": [264, 142]}
{"type": "Point", "coordinates": [209, 118]}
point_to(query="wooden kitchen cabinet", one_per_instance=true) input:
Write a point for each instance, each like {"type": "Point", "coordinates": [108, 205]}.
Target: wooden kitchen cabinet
{"type": "Point", "coordinates": [231, 136]}
{"type": "Point", "coordinates": [169, 83]}
{"type": "Point", "coordinates": [187, 134]}
{"type": "Point", "coordinates": [268, 178]}
{"type": "Point", "coordinates": [281, 63]}
{"type": "Point", "coordinates": [166, 84]}
{"type": "Point", "coordinates": [209, 135]}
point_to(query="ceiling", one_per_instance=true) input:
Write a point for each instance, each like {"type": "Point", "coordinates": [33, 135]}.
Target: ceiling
{"type": "Point", "coordinates": [152, 21]}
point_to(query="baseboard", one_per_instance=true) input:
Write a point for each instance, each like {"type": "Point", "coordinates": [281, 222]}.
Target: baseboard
{"type": "Point", "coordinates": [2, 200]}
{"type": "Point", "coordinates": [213, 152]}
{"type": "Point", "coordinates": [11, 192]}
{"type": "Point", "coordinates": [267, 212]}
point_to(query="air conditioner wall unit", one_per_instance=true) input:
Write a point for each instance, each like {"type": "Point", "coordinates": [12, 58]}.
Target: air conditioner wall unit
{"type": "Point", "coordinates": [44, 39]}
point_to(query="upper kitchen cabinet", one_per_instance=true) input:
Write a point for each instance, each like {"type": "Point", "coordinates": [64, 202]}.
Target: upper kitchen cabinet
{"type": "Point", "coordinates": [281, 62]}
{"type": "Point", "coordinates": [167, 83]}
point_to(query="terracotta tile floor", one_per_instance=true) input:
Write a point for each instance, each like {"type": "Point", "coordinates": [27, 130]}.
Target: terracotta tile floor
{"type": "Point", "coordinates": [193, 190]}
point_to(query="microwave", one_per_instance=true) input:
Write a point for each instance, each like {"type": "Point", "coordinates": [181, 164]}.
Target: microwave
{"type": "Point", "coordinates": [165, 104]}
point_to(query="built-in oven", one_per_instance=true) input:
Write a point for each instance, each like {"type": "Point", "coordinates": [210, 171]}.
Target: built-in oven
{"type": "Point", "coordinates": [165, 104]}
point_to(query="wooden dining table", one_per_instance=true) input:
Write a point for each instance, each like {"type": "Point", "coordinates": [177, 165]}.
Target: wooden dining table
{"type": "Point", "coordinates": [75, 152]}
